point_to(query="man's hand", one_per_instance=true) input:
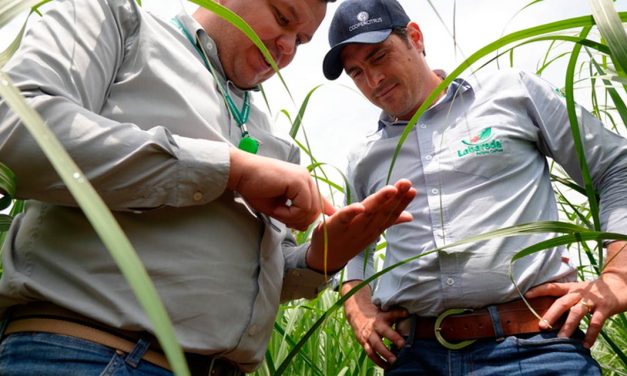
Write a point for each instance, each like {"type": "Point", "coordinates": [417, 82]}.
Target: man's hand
{"type": "Point", "coordinates": [370, 324]}
{"type": "Point", "coordinates": [601, 298]}
{"type": "Point", "coordinates": [355, 226]}
{"type": "Point", "coordinates": [282, 190]}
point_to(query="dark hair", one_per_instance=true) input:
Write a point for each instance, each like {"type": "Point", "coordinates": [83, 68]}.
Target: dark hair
{"type": "Point", "coordinates": [329, 1]}
{"type": "Point", "coordinates": [401, 32]}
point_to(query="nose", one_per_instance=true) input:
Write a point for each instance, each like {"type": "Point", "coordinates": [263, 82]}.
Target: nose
{"type": "Point", "coordinates": [373, 77]}
{"type": "Point", "coordinates": [286, 46]}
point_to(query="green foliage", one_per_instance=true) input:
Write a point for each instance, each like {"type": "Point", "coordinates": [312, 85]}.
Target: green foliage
{"type": "Point", "coordinates": [312, 337]}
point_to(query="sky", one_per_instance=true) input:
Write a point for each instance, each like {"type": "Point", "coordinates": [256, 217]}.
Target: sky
{"type": "Point", "coordinates": [338, 116]}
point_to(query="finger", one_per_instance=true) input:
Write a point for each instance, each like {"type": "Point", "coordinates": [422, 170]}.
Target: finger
{"type": "Point", "coordinates": [392, 317]}
{"type": "Point", "coordinates": [327, 207]}
{"type": "Point", "coordinates": [575, 314]}
{"type": "Point", "coordinates": [403, 185]}
{"type": "Point", "coordinates": [404, 217]}
{"type": "Point", "coordinates": [392, 335]}
{"type": "Point", "coordinates": [304, 207]}
{"type": "Point", "coordinates": [290, 216]}
{"type": "Point", "coordinates": [594, 328]}
{"type": "Point", "coordinates": [315, 204]}
{"type": "Point", "coordinates": [376, 359]}
{"type": "Point", "coordinates": [393, 211]}
{"type": "Point", "coordinates": [548, 289]}
{"type": "Point", "coordinates": [379, 208]}
{"type": "Point", "coordinates": [347, 214]}
{"type": "Point", "coordinates": [381, 350]}
{"type": "Point", "coordinates": [380, 198]}
{"type": "Point", "coordinates": [558, 309]}
{"type": "Point", "coordinates": [304, 199]}
{"type": "Point", "coordinates": [400, 215]}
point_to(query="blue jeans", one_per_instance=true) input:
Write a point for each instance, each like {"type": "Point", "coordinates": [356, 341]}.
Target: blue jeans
{"type": "Point", "coordinates": [30, 354]}
{"type": "Point", "coordinates": [531, 354]}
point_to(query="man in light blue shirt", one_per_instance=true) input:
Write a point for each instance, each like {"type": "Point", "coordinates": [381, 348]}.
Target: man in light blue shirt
{"type": "Point", "coordinates": [478, 160]}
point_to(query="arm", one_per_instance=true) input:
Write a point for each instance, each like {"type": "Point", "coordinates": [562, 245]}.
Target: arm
{"type": "Point", "coordinates": [604, 150]}
{"type": "Point", "coordinates": [606, 155]}
{"type": "Point", "coordinates": [603, 297]}
{"type": "Point", "coordinates": [66, 68]}
{"type": "Point", "coordinates": [370, 324]}
{"type": "Point", "coordinates": [360, 226]}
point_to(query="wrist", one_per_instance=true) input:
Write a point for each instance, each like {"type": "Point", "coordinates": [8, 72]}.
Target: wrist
{"type": "Point", "coordinates": [318, 265]}
{"type": "Point", "coordinates": [236, 158]}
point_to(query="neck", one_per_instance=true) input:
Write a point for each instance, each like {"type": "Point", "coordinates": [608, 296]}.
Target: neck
{"type": "Point", "coordinates": [432, 81]}
{"type": "Point", "coordinates": [205, 18]}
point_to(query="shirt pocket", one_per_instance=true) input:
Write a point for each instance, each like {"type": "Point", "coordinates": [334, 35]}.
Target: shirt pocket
{"type": "Point", "coordinates": [482, 149]}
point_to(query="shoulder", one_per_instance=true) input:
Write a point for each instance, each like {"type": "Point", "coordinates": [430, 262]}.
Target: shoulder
{"type": "Point", "coordinates": [98, 14]}
{"type": "Point", "coordinates": [491, 79]}
{"type": "Point", "coordinates": [513, 83]}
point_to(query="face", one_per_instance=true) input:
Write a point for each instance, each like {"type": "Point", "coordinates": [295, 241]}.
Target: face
{"type": "Point", "coordinates": [393, 75]}
{"type": "Point", "coordinates": [282, 25]}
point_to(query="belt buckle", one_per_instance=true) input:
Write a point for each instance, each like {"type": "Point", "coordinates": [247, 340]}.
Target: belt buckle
{"type": "Point", "coordinates": [438, 329]}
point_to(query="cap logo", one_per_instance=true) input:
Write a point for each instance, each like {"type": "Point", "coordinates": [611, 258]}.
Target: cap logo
{"type": "Point", "coordinates": [363, 16]}
{"type": "Point", "coordinates": [364, 20]}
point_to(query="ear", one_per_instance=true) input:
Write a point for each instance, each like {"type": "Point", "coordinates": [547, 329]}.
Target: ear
{"type": "Point", "coordinates": [415, 36]}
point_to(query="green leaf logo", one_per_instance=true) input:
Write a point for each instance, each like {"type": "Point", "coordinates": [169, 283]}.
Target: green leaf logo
{"type": "Point", "coordinates": [482, 137]}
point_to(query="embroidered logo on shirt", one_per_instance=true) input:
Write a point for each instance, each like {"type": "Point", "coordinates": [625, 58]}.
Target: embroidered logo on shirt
{"type": "Point", "coordinates": [481, 144]}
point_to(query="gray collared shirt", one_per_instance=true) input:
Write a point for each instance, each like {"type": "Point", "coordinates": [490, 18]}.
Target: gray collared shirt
{"type": "Point", "coordinates": [478, 161]}
{"type": "Point", "coordinates": [132, 102]}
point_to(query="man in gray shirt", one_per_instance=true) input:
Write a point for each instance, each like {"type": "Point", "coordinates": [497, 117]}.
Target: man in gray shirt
{"type": "Point", "coordinates": [477, 157]}
{"type": "Point", "coordinates": [152, 111]}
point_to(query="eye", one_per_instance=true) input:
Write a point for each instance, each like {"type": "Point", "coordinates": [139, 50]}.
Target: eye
{"type": "Point", "coordinates": [280, 17]}
{"type": "Point", "coordinates": [378, 57]}
{"type": "Point", "coordinates": [354, 73]}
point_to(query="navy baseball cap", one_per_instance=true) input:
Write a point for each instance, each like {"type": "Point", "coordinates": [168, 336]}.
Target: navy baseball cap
{"type": "Point", "coordinates": [360, 21]}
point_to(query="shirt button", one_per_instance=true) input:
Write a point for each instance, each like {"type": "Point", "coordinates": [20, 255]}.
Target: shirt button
{"type": "Point", "coordinates": [423, 126]}
{"type": "Point", "coordinates": [450, 281]}
{"type": "Point", "coordinates": [252, 330]}
{"type": "Point", "coordinates": [197, 196]}
{"type": "Point", "coordinates": [428, 157]}
{"type": "Point", "coordinates": [435, 191]}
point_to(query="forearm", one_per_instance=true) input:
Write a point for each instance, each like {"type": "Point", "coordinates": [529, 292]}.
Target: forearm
{"type": "Point", "coordinates": [151, 168]}
{"type": "Point", "coordinates": [616, 262]}
{"type": "Point", "coordinates": [360, 301]}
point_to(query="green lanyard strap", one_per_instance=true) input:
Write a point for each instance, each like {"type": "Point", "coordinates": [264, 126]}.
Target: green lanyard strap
{"type": "Point", "coordinates": [247, 143]}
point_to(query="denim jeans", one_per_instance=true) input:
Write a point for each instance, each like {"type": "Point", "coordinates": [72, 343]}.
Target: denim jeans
{"type": "Point", "coordinates": [532, 354]}
{"type": "Point", "coordinates": [38, 354]}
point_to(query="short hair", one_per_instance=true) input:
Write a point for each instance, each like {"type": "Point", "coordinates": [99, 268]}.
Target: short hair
{"type": "Point", "coordinates": [401, 32]}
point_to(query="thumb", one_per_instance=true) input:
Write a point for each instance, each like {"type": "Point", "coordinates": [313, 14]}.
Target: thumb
{"type": "Point", "coordinates": [327, 207]}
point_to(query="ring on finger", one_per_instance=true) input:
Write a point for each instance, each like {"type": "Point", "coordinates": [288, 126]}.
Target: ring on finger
{"type": "Point", "coordinates": [589, 306]}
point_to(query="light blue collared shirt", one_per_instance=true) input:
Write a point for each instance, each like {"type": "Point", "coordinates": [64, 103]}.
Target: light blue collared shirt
{"type": "Point", "coordinates": [478, 161]}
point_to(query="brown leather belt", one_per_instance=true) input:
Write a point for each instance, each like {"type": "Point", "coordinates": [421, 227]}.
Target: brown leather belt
{"type": "Point", "coordinates": [515, 318]}
{"type": "Point", "coordinates": [49, 318]}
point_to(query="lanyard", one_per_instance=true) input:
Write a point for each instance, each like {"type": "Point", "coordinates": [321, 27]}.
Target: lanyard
{"type": "Point", "coordinates": [247, 143]}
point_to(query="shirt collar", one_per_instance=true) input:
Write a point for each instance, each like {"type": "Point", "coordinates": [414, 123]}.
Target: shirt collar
{"type": "Point", "coordinates": [211, 52]}
{"type": "Point", "coordinates": [456, 88]}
